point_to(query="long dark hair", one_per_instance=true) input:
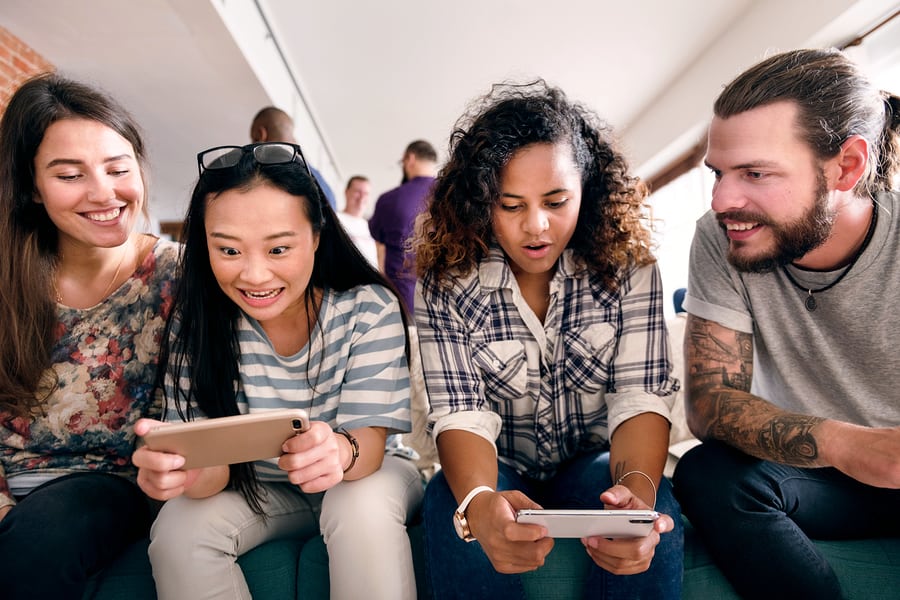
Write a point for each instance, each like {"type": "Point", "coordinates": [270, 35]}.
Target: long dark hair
{"type": "Point", "coordinates": [455, 232]}
{"type": "Point", "coordinates": [200, 336]}
{"type": "Point", "coordinates": [29, 239]}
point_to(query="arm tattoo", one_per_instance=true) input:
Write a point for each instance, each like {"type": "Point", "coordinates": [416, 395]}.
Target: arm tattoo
{"type": "Point", "coordinates": [788, 439]}
{"type": "Point", "coordinates": [721, 371]}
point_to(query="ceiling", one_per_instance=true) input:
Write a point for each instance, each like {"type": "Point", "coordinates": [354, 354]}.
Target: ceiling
{"type": "Point", "coordinates": [365, 78]}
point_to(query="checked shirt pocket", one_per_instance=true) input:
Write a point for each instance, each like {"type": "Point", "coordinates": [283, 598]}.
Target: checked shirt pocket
{"type": "Point", "coordinates": [588, 355]}
{"type": "Point", "coordinates": [504, 368]}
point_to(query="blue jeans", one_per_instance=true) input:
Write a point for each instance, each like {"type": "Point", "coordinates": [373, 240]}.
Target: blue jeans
{"type": "Point", "coordinates": [462, 570]}
{"type": "Point", "coordinates": [757, 518]}
{"type": "Point", "coordinates": [66, 530]}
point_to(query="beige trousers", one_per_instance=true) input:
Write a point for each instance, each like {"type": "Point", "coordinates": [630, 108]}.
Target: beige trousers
{"type": "Point", "coordinates": [194, 544]}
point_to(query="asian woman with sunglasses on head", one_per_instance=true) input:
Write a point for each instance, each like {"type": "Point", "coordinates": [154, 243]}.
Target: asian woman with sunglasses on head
{"type": "Point", "coordinates": [277, 309]}
{"type": "Point", "coordinates": [83, 301]}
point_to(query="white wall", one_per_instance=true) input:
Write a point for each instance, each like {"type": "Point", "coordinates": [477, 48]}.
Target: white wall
{"type": "Point", "coordinates": [248, 27]}
{"type": "Point", "coordinates": [670, 125]}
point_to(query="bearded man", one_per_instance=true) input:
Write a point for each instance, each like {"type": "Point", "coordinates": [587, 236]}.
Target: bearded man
{"type": "Point", "coordinates": [792, 373]}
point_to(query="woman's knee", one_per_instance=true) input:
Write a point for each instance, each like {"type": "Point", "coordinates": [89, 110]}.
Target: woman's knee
{"type": "Point", "coordinates": [382, 501]}
{"type": "Point", "coordinates": [186, 525]}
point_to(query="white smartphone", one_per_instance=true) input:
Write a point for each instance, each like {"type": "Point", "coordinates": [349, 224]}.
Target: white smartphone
{"type": "Point", "coordinates": [229, 440]}
{"type": "Point", "coordinates": [579, 523]}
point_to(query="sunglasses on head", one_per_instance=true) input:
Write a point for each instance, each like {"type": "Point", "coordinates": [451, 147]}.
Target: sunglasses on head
{"type": "Point", "coordinates": [264, 153]}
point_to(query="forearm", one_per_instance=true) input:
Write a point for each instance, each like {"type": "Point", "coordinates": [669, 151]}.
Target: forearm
{"type": "Point", "coordinates": [6, 497]}
{"type": "Point", "coordinates": [754, 426]}
{"type": "Point", "coordinates": [381, 251]}
{"type": "Point", "coordinates": [640, 444]}
{"type": "Point", "coordinates": [467, 461]}
{"type": "Point", "coordinates": [371, 442]}
{"type": "Point", "coordinates": [719, 405]}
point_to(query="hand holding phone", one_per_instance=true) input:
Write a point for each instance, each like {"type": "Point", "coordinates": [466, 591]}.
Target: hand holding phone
{"type": "Point", "coordinates": [581, 523]}
{"type": "Point", "coordinates": [229, 440]}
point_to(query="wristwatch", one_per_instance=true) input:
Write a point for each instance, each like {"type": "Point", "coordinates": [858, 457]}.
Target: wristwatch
{"type": "Point", "coordinates": [459, 517]}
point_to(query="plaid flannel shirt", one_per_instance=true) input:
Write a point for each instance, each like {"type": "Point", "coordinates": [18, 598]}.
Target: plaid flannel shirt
{"type": "Point", "coordinates": [543, 392]}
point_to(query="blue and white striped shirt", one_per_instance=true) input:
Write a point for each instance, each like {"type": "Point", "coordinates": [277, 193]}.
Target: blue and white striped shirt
{"type": "Point", "coordinates": [352, 373]}
{"type": "Point", "coordinates": [543, 392]}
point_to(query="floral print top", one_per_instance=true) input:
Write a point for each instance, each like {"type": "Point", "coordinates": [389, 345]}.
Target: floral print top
{"type": "Point", "coordinates": [105, 360]}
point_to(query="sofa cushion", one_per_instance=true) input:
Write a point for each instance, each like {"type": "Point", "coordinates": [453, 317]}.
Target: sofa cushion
{"type": "Point", "coordinates": [270, 570]}
{"type": "Point", "coordinates": [286, 569]}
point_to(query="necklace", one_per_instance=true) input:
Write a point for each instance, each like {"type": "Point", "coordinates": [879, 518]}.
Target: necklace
{"type": "Point", "coordinates": [108, 285]}
{"type": "Point", "coordinates": [811, 303]}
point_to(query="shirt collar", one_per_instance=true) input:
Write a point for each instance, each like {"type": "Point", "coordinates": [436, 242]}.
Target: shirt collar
{"type": "Point", "coordinates": [494, 272]}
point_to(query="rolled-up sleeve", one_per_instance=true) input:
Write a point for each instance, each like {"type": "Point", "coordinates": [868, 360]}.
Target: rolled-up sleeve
{"type": "Point", "coordinates": [641, 380]}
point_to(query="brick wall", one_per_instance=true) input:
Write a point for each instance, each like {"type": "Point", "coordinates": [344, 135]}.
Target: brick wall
{"type": "Point", "coordinates": [18, 62]}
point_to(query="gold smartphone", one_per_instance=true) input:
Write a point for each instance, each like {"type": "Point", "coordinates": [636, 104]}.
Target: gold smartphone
{"type": "Point", "coordinates": [229, 440]}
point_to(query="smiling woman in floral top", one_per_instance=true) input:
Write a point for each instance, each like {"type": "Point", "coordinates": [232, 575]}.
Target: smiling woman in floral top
{"type": "Point", "coordinates": [84, 299]}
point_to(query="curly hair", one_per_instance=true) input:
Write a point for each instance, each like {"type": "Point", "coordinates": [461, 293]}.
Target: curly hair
{"type": "Point", "coordinates": [455, 232]}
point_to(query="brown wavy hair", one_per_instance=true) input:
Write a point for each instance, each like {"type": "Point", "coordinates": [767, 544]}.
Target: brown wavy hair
{"type": "Point", "coordinates": [455, 233]}
{"type": "Point", "coordinates": [28, 238]}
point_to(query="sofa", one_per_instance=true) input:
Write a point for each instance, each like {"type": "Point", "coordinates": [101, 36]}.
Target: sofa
{"type": "Point", "coordinates": [289, 569]}
{"type": "Point", "coordinates": [285, 569]}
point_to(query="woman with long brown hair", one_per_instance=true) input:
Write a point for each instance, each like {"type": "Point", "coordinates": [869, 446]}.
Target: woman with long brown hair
{"type": "Point", "coordinates": [83, 300]}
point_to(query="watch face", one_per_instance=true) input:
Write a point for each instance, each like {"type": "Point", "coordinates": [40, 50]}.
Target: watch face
{"type": "Point", "coordinates": [460, 525]}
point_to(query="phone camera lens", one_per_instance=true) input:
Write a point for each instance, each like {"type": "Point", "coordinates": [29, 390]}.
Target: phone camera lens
{"type": "Point", "coordinates": [296, 424]}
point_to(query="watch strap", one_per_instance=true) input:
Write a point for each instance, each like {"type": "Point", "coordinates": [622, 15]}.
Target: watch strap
{"type": "Point", "coordinates": [354, 447]}
{"type": "Point", "coordinates": [461, 509]}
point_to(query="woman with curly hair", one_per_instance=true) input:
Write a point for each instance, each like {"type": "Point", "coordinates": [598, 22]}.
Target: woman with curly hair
{"type": "Point", "coordinates": [544, 350]}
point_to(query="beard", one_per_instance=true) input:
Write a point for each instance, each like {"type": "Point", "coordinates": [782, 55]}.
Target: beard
{"type": "Point", "coordinates": [792, 240]}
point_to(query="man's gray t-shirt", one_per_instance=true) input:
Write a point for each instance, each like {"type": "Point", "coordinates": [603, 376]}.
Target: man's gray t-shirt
{"type": "Point", "coordinates": [840, 361]}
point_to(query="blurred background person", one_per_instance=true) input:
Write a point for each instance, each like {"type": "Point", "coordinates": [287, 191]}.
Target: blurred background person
{"type": "Point", "coordinates": [356, 199]}
{"type": "Point", "coordinates": [272, 124]}
{"type": "Point", "coordinates": [395, 214]}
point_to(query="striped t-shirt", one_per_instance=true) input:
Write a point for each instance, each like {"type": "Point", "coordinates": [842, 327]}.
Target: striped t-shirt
{"type": "Point", "coordinates": [352, 373]}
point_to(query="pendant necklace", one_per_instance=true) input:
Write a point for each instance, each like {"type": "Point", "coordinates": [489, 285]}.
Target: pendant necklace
{"type": "Point", "coordinates": [108, 286]}
{"type": "Point", "coordinates": [811, 303]}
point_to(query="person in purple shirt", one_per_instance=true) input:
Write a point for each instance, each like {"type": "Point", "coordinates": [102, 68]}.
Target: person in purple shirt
{"type": "Point", "coordinates": [395, 214]}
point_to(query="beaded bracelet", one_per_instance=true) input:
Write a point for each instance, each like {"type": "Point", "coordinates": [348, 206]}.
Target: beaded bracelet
{"type": "Point", "coordinates": [653, 485]}
{"type": "Point", "coordinates": [354, 447]}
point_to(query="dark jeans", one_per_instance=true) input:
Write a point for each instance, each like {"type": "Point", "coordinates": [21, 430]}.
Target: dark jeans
{"type": "Point", "coordinates": [462, 570]}
{"type": "Point", "coordinates": [66, 530]}
{"type": "Point", "coordinates": [757, 518]}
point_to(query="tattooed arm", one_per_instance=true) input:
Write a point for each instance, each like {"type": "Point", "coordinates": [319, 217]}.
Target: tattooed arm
{"type": "Point", "coordinates": [719, 406]}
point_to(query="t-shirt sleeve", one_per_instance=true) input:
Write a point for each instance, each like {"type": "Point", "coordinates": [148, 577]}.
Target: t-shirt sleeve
{"type": "Point", "coordinates": [375, 389]}
{"type": "Point", "coordinates": [715, 289]}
